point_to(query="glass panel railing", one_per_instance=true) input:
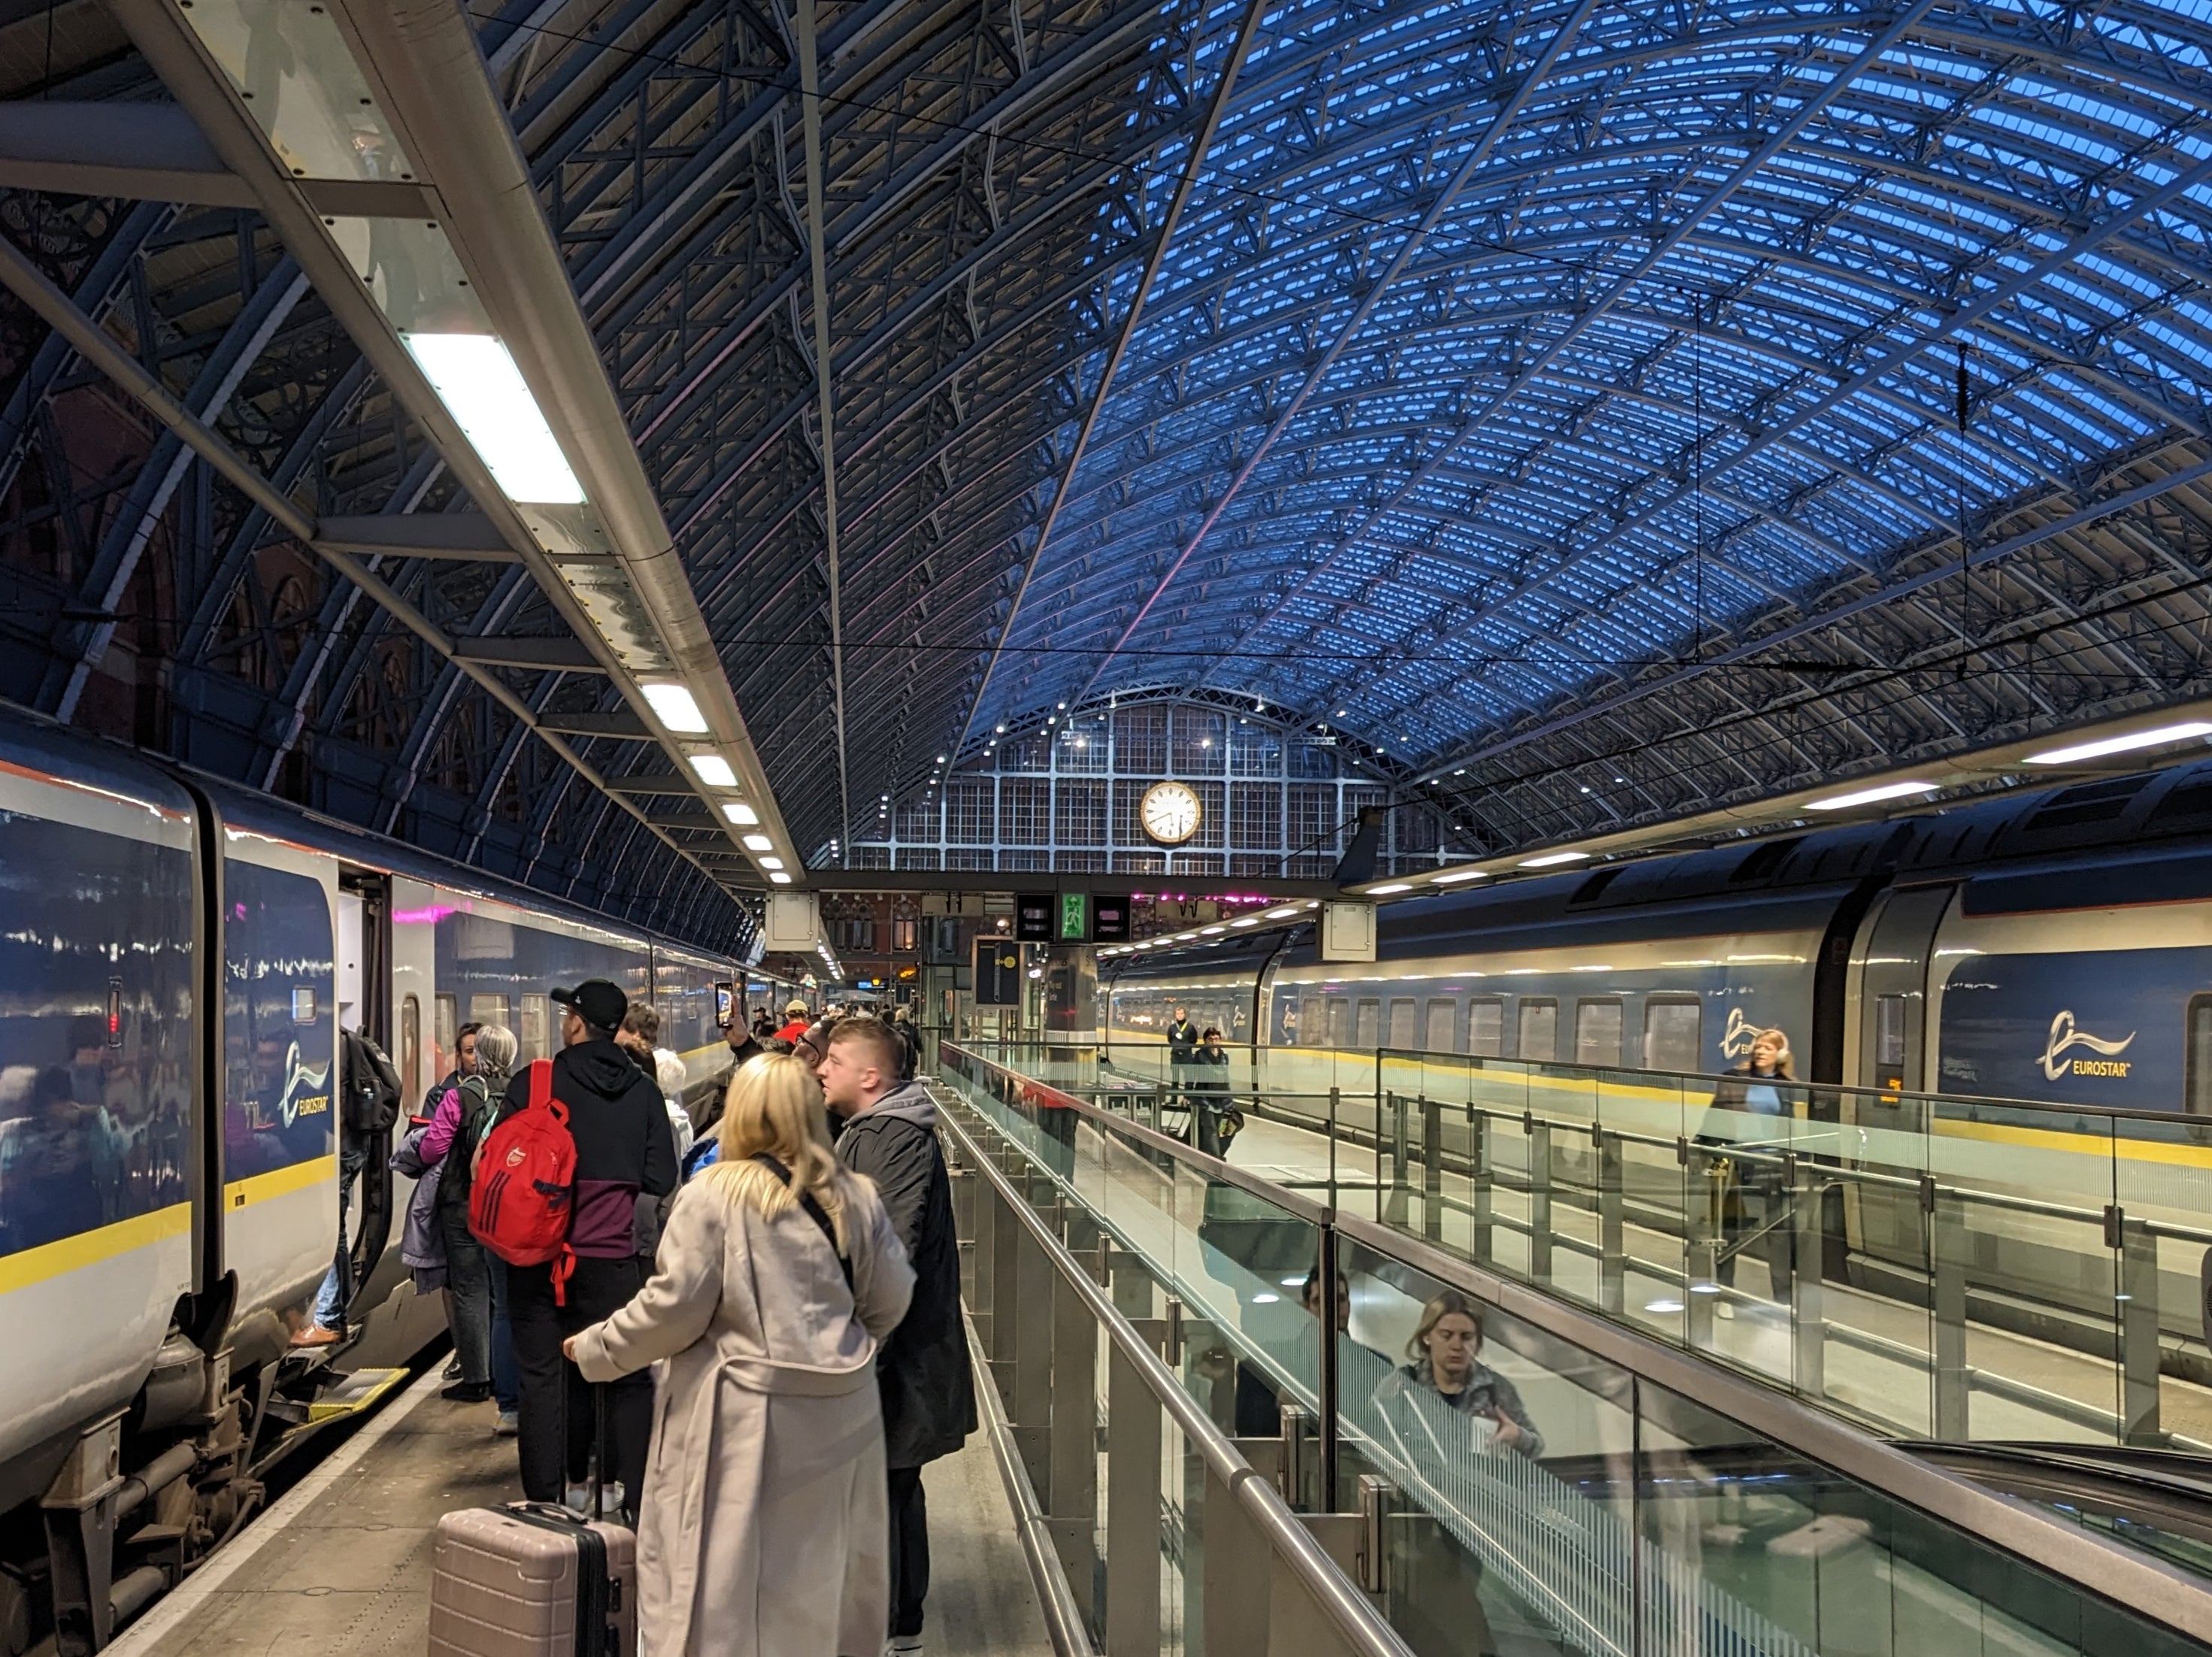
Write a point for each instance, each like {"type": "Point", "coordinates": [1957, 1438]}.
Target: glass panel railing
{"type": "Point", "coordinates": [1520, 1491]}
{"type": "Point", "coordinates": [1936, 1266]}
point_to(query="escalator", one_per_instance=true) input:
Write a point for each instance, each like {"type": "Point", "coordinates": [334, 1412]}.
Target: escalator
{"type": "Point", "coordinates": [2159, 1502]}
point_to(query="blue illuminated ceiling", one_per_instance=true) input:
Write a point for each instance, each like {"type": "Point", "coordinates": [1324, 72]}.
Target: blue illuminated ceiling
{"type": "Point", "coordinates": [1561, 403]}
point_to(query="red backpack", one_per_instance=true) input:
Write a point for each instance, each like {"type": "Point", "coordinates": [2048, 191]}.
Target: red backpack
{"type": "Point", "coordinates": [525, 1184]}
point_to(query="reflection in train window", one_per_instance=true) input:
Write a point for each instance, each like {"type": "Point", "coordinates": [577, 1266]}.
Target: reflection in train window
{"type": "Point", "coordinates": [1597, 1033]}
{"type": "Point", "coordinates": [447, 1014]}
{"type": "Point", "coordinates": [1403, 1010]}
{"type": "Point", "coordinates": [1443, 1022]}
{"type": "Point", "coordinates": [1340, 1022]}
{"type": "Point", "coordinates": [1485, 1026]}
{"type": "Point", "coordinates": [536, 1009]}
{"type": "Point", "coordinates": [1540, 1030]}
{"type": "Point", "coordinates": [1367, 1028]}
{"type": "Point", "coordinates": [410, 1046]}
{"type": "Point", "coordinates": [1672, 1037]}
{"type": "Point", "coordinates": [1889, 1037]}
{"type": "Point", "coordinates": [2198, 1085]}
{"type": "Point", "coordinates": [1313, 1022]}
{"type": "Point", "coordinates": [488, 1010]}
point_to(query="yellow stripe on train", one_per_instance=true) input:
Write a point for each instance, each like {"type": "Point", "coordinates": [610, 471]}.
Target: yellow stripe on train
{"type": "Point", "coordinates": [279, 1182]}
{"type": "Point", "coordinates": [68, 1254]}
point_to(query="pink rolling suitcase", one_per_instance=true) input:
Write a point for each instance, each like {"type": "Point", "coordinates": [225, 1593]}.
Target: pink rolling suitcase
{"type": "Point", "coordinates": [532, 1580]}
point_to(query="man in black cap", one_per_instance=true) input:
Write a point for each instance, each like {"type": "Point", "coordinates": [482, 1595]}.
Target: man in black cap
{"type": "Point", "coordinates": [623, 1148]}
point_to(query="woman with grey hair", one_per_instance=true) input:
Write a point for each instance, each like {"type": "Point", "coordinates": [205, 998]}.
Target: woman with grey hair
{"type": "Point", "coordinates": [457, 1127]}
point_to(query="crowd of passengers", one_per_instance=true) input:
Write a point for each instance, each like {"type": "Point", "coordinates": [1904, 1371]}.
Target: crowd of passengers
{"type": "Point", "coordinates": [768, 1294]}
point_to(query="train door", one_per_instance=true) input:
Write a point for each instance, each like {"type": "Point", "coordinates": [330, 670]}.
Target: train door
{"type": "Point", "coordinates": [364, 988]}
{"type": "Point", "coordinates": [1887, 1054]}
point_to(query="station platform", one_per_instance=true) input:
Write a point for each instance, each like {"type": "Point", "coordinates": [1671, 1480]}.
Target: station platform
{"type": "Point", "coordinates": [340, 1566]}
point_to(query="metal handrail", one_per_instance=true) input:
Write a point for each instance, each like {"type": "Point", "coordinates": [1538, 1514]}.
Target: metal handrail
{"type": "Point", "coordinates": [1353, 1616]}
{"type": "Point", "coordinates": [2151, 1588]}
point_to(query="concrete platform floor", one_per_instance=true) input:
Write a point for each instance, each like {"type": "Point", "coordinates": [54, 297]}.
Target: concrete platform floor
{"type": "Point", "coordinates": [341, 1565]}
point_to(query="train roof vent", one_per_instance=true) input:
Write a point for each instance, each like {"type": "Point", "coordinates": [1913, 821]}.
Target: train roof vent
{"type": "Point", "coordinates": [2085, 803]}
{"type": "Point", "coordinates": [1591, 890]}
{"type": "Point", "coordinates": [1762, 860]}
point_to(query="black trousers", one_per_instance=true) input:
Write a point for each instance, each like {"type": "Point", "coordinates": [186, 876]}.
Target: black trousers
{"type": "Point", "coordinates": [596, 1287]}
{"type": "Point", "coordinates": [909, 1551]}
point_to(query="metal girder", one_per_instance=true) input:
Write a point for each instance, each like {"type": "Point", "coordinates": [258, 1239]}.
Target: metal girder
{"type": "Point", "coordinates": [553, 655]}
{"type": "Point", "coordinates": [466, 535]}
{"type": "Point", "coordinates": [32, 285]}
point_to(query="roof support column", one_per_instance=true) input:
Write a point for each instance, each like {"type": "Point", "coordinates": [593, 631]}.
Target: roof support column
{"type": "Point", "coordinates": [810, 98]}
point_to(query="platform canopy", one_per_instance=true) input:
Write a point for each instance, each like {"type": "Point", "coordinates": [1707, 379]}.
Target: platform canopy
{"type": "Point", "coordinates": [1588, 414]}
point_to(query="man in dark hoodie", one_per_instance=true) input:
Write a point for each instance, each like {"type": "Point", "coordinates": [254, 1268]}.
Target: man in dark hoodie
{"type": "Point", "coordinates": [928, 1393]}
{"type": "Point", "coordinates": [624, 1150]}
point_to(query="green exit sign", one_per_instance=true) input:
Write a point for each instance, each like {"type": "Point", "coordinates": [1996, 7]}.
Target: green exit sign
{"type": "Point", "coordinates": [1074, 918]}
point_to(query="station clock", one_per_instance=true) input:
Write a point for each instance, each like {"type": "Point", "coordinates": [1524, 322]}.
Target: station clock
{"type": "Point", "coordinates": [1169, 812]}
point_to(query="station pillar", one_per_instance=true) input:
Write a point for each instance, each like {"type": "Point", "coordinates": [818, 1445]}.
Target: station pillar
{"type": "Point", "coordinates": [1071, 995]}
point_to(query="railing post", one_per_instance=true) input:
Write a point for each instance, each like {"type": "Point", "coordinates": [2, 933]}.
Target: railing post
{"type": "Point", "coordinates": [1540, 1199]}
{"type": "Point", "coordinates": [1132, 1512]}
{"type": "Point", "coordinates": [1395, 1202]}
{"type": "Point", "coordinates": [2139, 1390]}
{"type": "Point", "coordinates": [1947, 1250]}
{"type": "Point", "coordinates": [1238, 1576]}
{"type": "Point", "coordinates": [1432, 1168]}
{"type": "Point", "coordinates": [1611, 1262]}
{"type": "Point", "coordinates": [1335, 1101]}
{"type": "Point", "coordinates": [1330, 1386]}
{"type": "Point", "coordinates": [1807, 1323]}
{"type": "Point", "coordinates": [1702, 1193]}
{"type": "Point", "coordinates": [1072, 1507]}
{"type": "Point", "coordinates": [1483, 1181]}
{"type": "Point", "coordinates": [1032, 1342]}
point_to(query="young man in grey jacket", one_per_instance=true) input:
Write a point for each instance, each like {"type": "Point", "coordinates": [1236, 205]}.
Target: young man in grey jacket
{"type": "Point", "coordinates": [929, 1395]}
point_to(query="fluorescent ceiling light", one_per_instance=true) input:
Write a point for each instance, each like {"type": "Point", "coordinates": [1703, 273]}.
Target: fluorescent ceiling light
{"type": "Point", "coordinates": [714, 770]}
{"type": "Point", "coordinates": [1394, 886]}
{"type": "Point", "coordinates": [675, 707]}
{"type": "Point", "coordinates": [771, 862]}
{"type": "Point", "coordinates": [478, 381]}
{"type": "Point", "coordinates": [741, 814]}
{"type": "Point", "coordinates": [1283, 913]}
{"type": "Point", "coordinates": [1869, 796]}
{"type": "Point", "coordinates": [757, 842]}
{"type": "Point", "coordinates": [1553, 860]}
{"type": "Point", "coordinates": [1454, 880]}
{"type": "Point", "coordinates": [2129, 744]}
{"type": "Point", "coordinates": [781, 878]}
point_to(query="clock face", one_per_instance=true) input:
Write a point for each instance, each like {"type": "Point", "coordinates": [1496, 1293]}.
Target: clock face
{"type": "Point", "coordinates": [1169, 812]}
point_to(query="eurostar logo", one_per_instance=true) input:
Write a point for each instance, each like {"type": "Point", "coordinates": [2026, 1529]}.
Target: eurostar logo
{"type": "Point", "coordinates": [296, 1101]}
{"type": "Point", "coordinates": [2064, 1038]}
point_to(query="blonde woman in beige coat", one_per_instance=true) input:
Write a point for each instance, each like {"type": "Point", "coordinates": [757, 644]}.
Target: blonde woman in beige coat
{"type": "Point", "coordinates": [762, 1532]}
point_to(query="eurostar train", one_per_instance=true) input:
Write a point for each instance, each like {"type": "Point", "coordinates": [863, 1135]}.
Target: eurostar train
{"type": "Point", "coordinates": [177, 959]}
{"type": "Point", "coordinates": [2052, 946]}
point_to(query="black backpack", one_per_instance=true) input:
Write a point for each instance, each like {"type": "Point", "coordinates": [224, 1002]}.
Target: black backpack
{"type": "Point", "coordinates": [372, 1086]}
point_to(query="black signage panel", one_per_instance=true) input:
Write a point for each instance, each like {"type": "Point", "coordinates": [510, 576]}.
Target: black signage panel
{"type": "Point", "coordinates": [998, 971]}
{"type": "Point", "coordinates": [1110, 919]}
{"type": "Point", "coordinates": [1033, 914]}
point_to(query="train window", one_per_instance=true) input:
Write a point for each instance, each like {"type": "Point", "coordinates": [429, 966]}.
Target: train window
{"type": "Point", "coordinates": [1403, 1011]}
{"type": "Point", "coordinates": [1313, 1022]}
{"type": "Point", "coordinates": [2197, 1082]}
{"type": "Point", "coordinates": [536, 1015]}
{"type": "Point", "coordinates": [446, 1014]}
{"type": "Point", "coordinates": [1673, 1038]}
{"type": "Point", "coordinates": [488, 1010]}
{"type": "Point", "coordinates": [1597, 1033]}
{"type": "Point", "coordinates": [303, 1004]}
{"type": "Point", "coordinates": [1486, 1027]}
{"type": "Point", "coordinates": [1443, 1026]}
{"type": "Point", "coordinates": [1540, 1030]}
{"type": "Point", "coordinates": [1889, 1035]}
{"type": "Point", "coordinates": [1339, 1021]}
{"type": "Point", "coordinates": [410, 1044]}
{"type": "Point", "coordinates": [1367, 1024]}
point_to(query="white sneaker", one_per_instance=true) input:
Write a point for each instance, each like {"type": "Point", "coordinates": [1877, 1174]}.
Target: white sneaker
{"type": "Point", "coordinates": [903, 1645]}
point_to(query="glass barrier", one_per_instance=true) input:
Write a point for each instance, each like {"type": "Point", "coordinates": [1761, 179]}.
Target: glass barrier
{"type": "Point", "coordinates": [1521, 1493]}
{"type": "Point", "coordinates": [1933, 1267]}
